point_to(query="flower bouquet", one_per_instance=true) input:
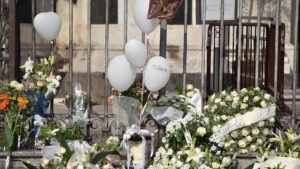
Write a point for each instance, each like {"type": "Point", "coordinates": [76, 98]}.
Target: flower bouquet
{"type": "Point", "coordinates": [186, 145]}
{"type": "Point", "coordinates": [241, 120]}
{"type": "Point", "coordinates": [41, 83]}
{"type": "Point", "coordinates": [77, 154]}
{"type": "Point", "coordinates": [281, 153]}
{"type": "Point", "coordinates": [15, 105]}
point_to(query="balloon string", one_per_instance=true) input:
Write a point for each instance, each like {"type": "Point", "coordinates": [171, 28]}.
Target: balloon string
{"type": "Point", "coordinates": [143, 110]}
{"type": "Point", "coordinates": [148, 56]}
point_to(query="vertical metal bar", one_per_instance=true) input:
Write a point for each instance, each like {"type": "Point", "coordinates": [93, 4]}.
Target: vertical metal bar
{"type": "Point", "coordinates": [125, 21]}
{"type": "Point", "coordinates": [33, 30]}
{"type": "Point", "coordinates": [185, 46]}
{"type": "Point", "coordinates": [163, 47]}
{"type": "Point", "coordinates": [52, 99]}
{"type": "Point", "coordinates": [276, 47]}
{"type": "Point", "coordinates": [70, 55]}
{"type": "Point", "coordinates": [240, 45]}
{"type": "Point", "coordinates": [89, 78]}
{"type": "Point", "coordinates": [257, 42]}
{"type": "Point", "coordinates": [221, 46]}
{"type": "Point", "coordinates": [296, 50]}
{"type": "Point", "coordinates": [106, 62]}
{"type": "Point", "coordinates": [143, 37]}
{"type": "Point", "coordinates": [203, 51]}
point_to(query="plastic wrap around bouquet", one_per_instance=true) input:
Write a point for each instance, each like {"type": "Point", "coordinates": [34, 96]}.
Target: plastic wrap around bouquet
{"type": "Point", "coordinates": [129, 112]}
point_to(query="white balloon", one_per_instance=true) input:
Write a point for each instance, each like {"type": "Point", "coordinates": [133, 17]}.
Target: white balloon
{"type": "Point", "coordinates": [140, 12]}
{"type": "Point", "coordinates": [47, 24]}
{"type": "Point", "coordinates": [121, 74]}
{"type": "Point", "coordinates": [157, 73]}
{"type": "Point", "coordinates": [136, 53]}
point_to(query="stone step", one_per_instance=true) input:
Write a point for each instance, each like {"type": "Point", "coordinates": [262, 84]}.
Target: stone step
{"type": "Point", "coordinates": [30, 156]}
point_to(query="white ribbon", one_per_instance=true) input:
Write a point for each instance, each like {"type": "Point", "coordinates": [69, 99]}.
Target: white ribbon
{"type": "Point", "coordinates": [288, 163]}
{"type": "Point", "coordinates": [7, 162]}
{"type": "Point", "coordinates": [245, 120]}
{"type": "Point", "coordinates": [196, 100]}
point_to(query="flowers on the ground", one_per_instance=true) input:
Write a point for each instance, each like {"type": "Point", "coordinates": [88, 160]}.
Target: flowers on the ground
{"type": "Point", "coordinates": [234, 105]}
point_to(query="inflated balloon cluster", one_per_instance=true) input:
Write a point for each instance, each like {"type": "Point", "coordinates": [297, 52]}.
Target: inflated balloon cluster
{"type": "Point", "coordinates": [156, 70]}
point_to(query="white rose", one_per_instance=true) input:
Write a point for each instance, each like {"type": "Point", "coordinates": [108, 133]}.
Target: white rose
{"type": "Point", "coordinates": [20, 87]}
{"type": "Point", "coordinates": [245, 132]}
{"type": "Point", "coordinates": [189, 87]}
{"type": "Point", "coordinates": [179, 163]}
{"type": "Point", "coordinates": [215, 129]}
{"type": "Point", "coordinates": [272, 119]}
{"type": "Point", "coordinates": [190, 94]}
{"type": "Point", "coordinates": [236, 98]}
{"type": "Point", "coordinates": [223, 117]}
{"type": "Point", "coordinates": [266, 132]}
{"type": "Point", "coordinates": [235, 104]}
{"type": "Point", "coordinates": [257, 88]}
{"type": "Point", "coordinates": [242, 144]}
{"type": "Point", "coordinates": [263, 104]}
{"type": "Point", "coordinates": [45, 162]}
{"type": "Point", "coordinates": [228, 98]}
{"type": "Point", "coordinates": [170, 152]}
{"type": "Point", "coordinates": [248, 138]}
{"type": "Point", "coordinates": [227, 145]}
{"type": "Point", "coordinates": [170, 129]}
{"type": "Point", "coordinates": [217, 100]}
{"type": "Point", "coordinates": [164, 140]}
{"type": "Point", "coordinates": [256, 99]}
{"type": "Point", "coordinates": [58, 77]}
{"type": "Point", "coordinates": [244, 151]}
{"type": "Point", "coordinates": [259, 141]}
{"type": "Point", "coordinates": [246, 99]}
{"type": "Point", "coordinates": [234, 93]}
{"type": "Point", "coordinates": [70, 166]}
{"type": "Point", "coordinates": [253, 148]}
{"type": "Point", "coordinates": [226, 161]}
{"type": "Point", "coordinates": [206, 107]}
{"type": "Point", "coordinates": [234, 134]}
{"type": "Point", "coordinates": [201, 131]}
{"type": "Point", "coordinates": [223, 104]}
{"type": "Point", "coordinates": [244, 90]}
{"type": "Point", "coordinates": [62, 150]}
{"type": "Point", "coordinates": [224, 92]}
{"type": "Point", "coordinates": [212, 97]}
{"type": "Point", "coordinates": [255, 131]}
{"type": "Point", "coordinates": [215, 165]}
{"type": "Point", "coordinates": [261, 124]}
{"type": "Point", "coordinates": [267, 96]}
{"type": "Point", "coordinates": [244, 106]}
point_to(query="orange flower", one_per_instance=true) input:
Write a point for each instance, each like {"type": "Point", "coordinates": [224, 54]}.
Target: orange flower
{"type": "Point", "coordinates": [22, 102]}
{"type": "Point", "coordinates": [3, 97]}
{"type": "Point", "coordinates": [4, 104]}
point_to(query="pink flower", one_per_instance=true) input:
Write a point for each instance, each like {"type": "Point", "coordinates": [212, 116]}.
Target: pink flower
{"type": "Point", "coordinates": [52, 76]}
{"type": "Point", "coordinates": [40, 83]}
{"type": "Point", "coordinates": [111, 99]}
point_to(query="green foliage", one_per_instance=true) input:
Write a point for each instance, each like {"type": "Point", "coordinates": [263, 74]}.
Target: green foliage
{"type": "Point", "coordinates": [74, 132]}
{"type": "Point", "coordinates": [8, 137]}
{"type": "Point", "coordinates": [29, 166]}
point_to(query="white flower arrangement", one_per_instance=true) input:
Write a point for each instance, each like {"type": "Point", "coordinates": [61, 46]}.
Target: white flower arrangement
{"type": "Point", "coordinates": [228, 105]}
{"type": "Point", "coordinates": [281, 153]}
{"type": "Point", "coordinates": [187, 145]}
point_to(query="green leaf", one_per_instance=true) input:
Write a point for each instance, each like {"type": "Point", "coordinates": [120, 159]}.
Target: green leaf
{"type": "Point", "coordinates": [250, 166]}
{"type": "Point", "coordinates": [102, 155]}
{"type": "Point", "coordinates": [29, 166]}
{"type": "Point", "coordinates": [8, 136]}
{"type": "Point", "coordinates": [52, 60]}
